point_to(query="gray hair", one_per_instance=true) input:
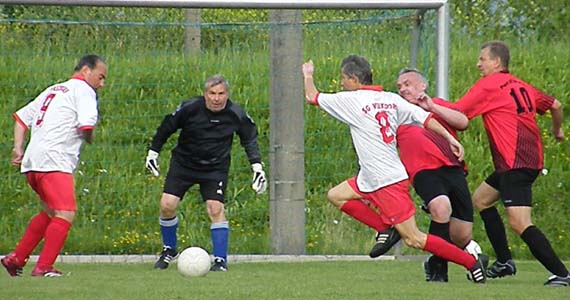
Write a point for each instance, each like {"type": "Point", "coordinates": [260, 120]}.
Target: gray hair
{"type": "Point", "coordinates": [215, 80]}
{"type": "Point", "coordinates": [415, 71]}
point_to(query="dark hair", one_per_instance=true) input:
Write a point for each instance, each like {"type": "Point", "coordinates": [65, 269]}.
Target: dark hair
{"type": "Point", "coordinates": [498, 49]}
{"type": "Point", "coordinates": [89, 60]}
{"type": "Point", "coordinates": [415, 71]}
{"type": "Point", "coordinates": [358, 66]}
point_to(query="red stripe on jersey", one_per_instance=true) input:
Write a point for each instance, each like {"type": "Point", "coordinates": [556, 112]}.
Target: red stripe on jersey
{"type": "Point", "coordinates": [86, 127]}
{"type": "Point", "coordinates": [17, 118]}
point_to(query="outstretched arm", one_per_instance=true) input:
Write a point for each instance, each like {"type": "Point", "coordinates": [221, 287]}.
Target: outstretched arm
{"type": "Point", "coordinates": [456, 147]}
{"type": "Point", "coordinates": [557, 117]}
{"type": "Point", "coordinates": [452, 117]}
{"type": "Point", "coordinates": [311, 91]}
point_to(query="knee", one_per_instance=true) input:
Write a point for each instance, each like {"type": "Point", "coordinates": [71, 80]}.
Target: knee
{"type": "Point", "coordinates": [168, 208]}
{"type": "Point", "coordinates": [215, 210]}
{"type": "Point", "coordinates": [67, 215]}
{"type": "Point", "coordinates": [440, 212]}
{"type": "Point", "coordinates": [517, 226]}
{"type": "Point", "coordinates": [334, 198]}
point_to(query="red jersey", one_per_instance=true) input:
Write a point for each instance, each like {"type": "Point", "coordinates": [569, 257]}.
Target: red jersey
{"type": "Point", "coordinates": [422, 149]}
{"type": "Point", "coordinates": [508, 106]}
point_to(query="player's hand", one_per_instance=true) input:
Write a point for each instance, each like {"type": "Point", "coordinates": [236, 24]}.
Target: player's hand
{"type": "Point", "coordinates": [259, 184]}
{"type": "Point", "coordinates": [425, 101]}
{"type": "Point", "coordinates": [457, 149]}
{"type": "Point", "coordinates": [308, 69]}
{"type": "Point", "coordinates": [152, 162]}
{"type": "Point", "coordinates": [17, 155]}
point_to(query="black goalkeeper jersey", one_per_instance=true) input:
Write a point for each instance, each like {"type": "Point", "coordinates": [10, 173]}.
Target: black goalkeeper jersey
{"type": "Point", "coordinates": [206, 137]}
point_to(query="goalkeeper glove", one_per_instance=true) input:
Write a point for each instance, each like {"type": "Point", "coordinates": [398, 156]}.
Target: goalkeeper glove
{"type": "Point", "coordinates": [259, 184]}
{"type": "Point", "coordinates": [152, 162]}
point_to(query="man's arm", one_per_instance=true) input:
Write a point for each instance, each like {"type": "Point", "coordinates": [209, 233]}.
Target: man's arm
{"type": "Point", "coordinates": [88, 135]}
{"type": "Point", "coordinates": [456, 147]}
{"type": "Point", "coordinates": [19, 140]}
{"type": "Point", "coordinates": [557, 117]}
{"type": "Point", "coordinates": [452, 117]}
{"type": "Point", "coordinates": [311, 91]}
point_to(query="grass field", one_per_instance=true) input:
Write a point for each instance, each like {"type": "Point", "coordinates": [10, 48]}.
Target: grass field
{"type": "Point", "coordinates": [374, 279]}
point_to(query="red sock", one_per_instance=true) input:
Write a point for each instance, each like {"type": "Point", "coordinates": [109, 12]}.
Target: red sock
{"type": "Point", "coordinates": [363, 213]}
{"type": "Point", "coordinates": [55, 236]}
{"type": "Point", "coordinates": [32, 236]}
{"type": "Point", "coordinates": [448, 251]}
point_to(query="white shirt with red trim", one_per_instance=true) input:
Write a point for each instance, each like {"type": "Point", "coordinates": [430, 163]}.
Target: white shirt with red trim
{"type": "Point", "coordinates": [373, 116]}
{"type": "Point", "coordinates": [55, 119]}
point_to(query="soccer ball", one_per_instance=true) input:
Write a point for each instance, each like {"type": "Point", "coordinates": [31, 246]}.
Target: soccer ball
{"type": "Point", "coordinates": [194, 262]}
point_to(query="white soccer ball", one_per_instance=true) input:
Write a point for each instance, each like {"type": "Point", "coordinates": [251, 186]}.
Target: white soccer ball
{"type": "Point", "coordinates": [194, 262]}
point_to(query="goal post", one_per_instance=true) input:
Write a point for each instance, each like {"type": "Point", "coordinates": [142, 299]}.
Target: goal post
{"type": "Point", "coordinates": [286, 143]}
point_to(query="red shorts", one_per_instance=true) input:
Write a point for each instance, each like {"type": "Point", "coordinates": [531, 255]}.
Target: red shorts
{"type": "Point", "coordinates": [393, 201]}
{"type": "Point", "coordinates": [56, 189]}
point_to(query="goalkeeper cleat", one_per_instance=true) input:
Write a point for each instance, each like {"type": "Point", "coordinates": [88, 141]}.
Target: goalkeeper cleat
{"type": "Point", "coordinates": [385, 240]}
{"type": "Point", "coordinates": [499, 269]}
{"type": "Point", "coordinates": [13, 264]}
{"type": "Point", "coordinates": [558, 281]}
{"type": "Point", "coordinates": [46, 272]}
{"type": "Point", "coordinates": [435, 271]}
{"type": "Point", "coordinates": [477, 273]}
{"type": "Point", "coordinates": [166, 257]}
{"type": "Point", "coordinates": [219, 265]}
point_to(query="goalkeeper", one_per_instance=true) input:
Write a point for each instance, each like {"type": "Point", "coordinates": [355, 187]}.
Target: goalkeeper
{"type": "Point", "coordinates": [202, 156]}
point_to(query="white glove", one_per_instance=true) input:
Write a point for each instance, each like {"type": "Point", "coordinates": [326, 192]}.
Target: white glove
{"type": "Point", "coordinates": [259, 184]}
{"type": "Point", "coordinates": [152, 162]}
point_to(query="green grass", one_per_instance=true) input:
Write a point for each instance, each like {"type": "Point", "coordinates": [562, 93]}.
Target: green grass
{"type": "Point", "coordinates": [296, 280]}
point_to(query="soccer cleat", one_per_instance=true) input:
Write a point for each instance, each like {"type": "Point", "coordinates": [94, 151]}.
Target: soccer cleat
{"type": "Point", "coordinates": [477, 273]}
{"type": "Point", "coordinates": [219, 265]}
{"type": "Point", "coordinates": [555, 280]}
{"type": "Point", "coordinates": [13, 264]}
{"type": "Point", "coordinates": [385, 240]}
{"type": "Point", "coordinates": [166, 257]}
{"type": "Point", "coordinates": [47, 272]}
{"type": "Point", "coordinates": [499, 269]}
{"type": "Point", "coordinates": [435, 273]}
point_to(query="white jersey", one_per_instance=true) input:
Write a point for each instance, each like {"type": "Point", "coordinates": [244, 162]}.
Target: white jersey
{"type": "Point", "coordinates": [55, 119]}
{"type": "Point", "coordinates": [374, 116]}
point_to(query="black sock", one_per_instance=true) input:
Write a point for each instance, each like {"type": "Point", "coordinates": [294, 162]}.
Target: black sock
{"type": "Point", "coordinates": [441, 230]}
{"type": "Point", "coordinates": [542, 250]}
{"type": "Point", "coordinates": [496, 233]}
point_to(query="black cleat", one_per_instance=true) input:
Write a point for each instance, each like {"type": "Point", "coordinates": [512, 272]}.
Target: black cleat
{"type": "Point", "coordinates": [558, 281]}
{"type": "Point", "coordinates": [219, 265]}
{"type": "Point", "coordinates": [435, 272]}
{"type": "Point", "coordinates": [166, 257]}
{"type": "Point", "coordinates": [499, 269]}
{"type": "Point", "coordinates": [385, 240]}
{"type": "Point", "coordinates": [477, 273]}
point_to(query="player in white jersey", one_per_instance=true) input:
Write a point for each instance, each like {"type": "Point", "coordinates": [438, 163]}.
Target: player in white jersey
{"type": "Point", "coordinates": [373, 117]}
{"type": "Point", "coordinates": [59, 119]}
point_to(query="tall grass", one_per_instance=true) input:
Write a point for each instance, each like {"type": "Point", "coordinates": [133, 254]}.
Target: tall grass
{"type": "Point", "coordinates": [149, 76]}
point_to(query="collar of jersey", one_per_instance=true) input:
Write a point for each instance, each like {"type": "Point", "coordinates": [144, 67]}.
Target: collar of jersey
{"type": "Point", "coordinates": [78, 76]}
{"type": "Point", "coordinates": [377, 88]}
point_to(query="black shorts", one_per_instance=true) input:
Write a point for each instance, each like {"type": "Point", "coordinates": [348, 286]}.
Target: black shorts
{"type": "Point", "coordinates": [179, 179]}
{"type": "Point", "coordinates": [514, 186]}
{"type": "Point", "coordinates": [449, 181]}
